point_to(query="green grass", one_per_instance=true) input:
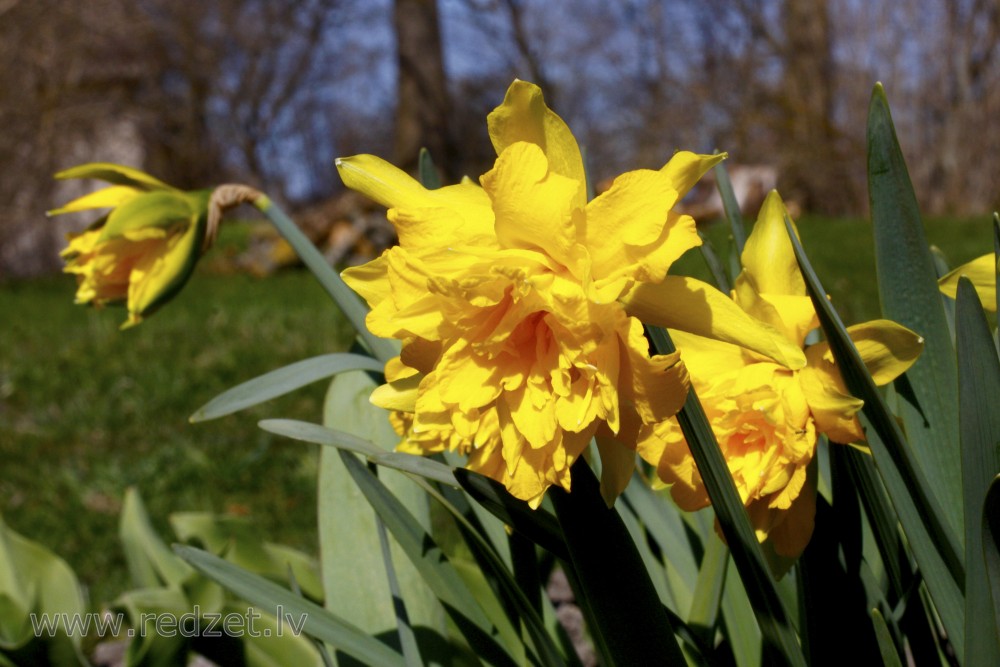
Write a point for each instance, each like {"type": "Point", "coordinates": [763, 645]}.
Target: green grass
{"type": "Point", "coordinates": [87, 410]}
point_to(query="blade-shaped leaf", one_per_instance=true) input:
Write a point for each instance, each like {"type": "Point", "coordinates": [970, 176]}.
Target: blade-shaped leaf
{"type": "Point", "coordinates": [746, 552]}
{"type": "Point", "coordinates": [267, 595]}
{"type": "Point", "coordinates": [282, 381]}
{"type": "Point", "coordinates": [934, 545]}
{"type": "Point", "coordinates": [887, 649]}
{"type": "Point", "coordinates": [432, 564]}
{"type": "Point", "coordinates": [908, 290]}
{"type": "Point", "coordinates": [150, 562]}
{"type": "Point", "coordinates": [708, 591]}
{"type": "Point", "coordinates": [355, 564]}
{"type": "Point", "coordinates": [427, 171]}
{"type": "Point", "coordinates": [732, 208]}
{"type": "Point", "coordinates": [624, 609]}
{"type": "Point", "coordinates": [991, 545]}
{"type": "Point", "coordinates": [979, 424]}
{"type": "Point", "coordinates": [342, 295]}
{"type": "Point", "coordinates": [537, 525]}
{"type": "Point", "coordinates": [509, 587]}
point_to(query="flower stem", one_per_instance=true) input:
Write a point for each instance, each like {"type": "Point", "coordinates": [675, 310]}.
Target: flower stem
{"type": "Point", "coordinates": [353, 309]}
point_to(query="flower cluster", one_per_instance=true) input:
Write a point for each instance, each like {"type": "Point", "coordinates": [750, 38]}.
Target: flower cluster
{"type": "Point", "coordinates": [512, 303]}
{"type": "Point", "coordinates": [767, 415]}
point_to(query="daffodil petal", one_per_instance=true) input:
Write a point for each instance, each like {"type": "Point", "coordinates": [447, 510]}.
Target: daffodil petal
{"type": "Point", "coordinates": [455, 214]}
{"type": "Point", "coordinates": [523, 116]}
{"type": "Point", "coordinates": [982, 271]}
{"type": "Point", "coordinates": [831, 406]}
{"type": "Point", "coordinates": [116, 174]}
{"type": "Point", "coordinates": [795, 527]}
{"type": "Point", "coordinates": [532, 205]}
{"type": "Point", "coordinates": [659, 383]}
{"type": "Point", "coordinates": [109, 197]}
{"type": "Point", "coordinates": [399, 395]}
{"type": "Point", "coordinates": [768, 259]}
{"type": "Point", "coordinates": [370, 280]}
{"type": "Point", "coordinates": [157, 276]}
{"type": "Point", "coordinates": [686, 168]}
{"type": "Point", "coordinates": [617, 466]}
{"type": "Point", "coordinates": [888, 349]}
{"type": "Point", "coordinates": [690, 305]}
{"type": "Point", "coordinates": [636, 210]}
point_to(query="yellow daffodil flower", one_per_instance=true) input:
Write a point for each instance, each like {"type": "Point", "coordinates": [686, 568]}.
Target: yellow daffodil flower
{"type": "Point", "coordinates": [982, 271]}
{"type": "Point", "coordinates": [512, 301]}
{"type": "Point", "coordinates": [144, 250]}
{"type": "Point", "coordinates": [767, 415]}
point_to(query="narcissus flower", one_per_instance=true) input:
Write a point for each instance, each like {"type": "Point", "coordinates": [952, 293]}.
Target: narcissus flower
{"type": "Point", "coordinates": [982, 271]}
{"type": "Point", "coordinates": [767, 415]}
{"type": "Point", "coordinates": [511, 300]}
{"type": "Point", "coordinates": [144, 250]}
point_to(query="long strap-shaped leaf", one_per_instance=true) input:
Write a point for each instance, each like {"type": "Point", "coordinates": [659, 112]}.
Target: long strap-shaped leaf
{"type": "Point", "coordinates": [623, 607]}
{"type": "Point", "coordinates": [934, 544]}
{"type": "Point", "coordinates": [319, 622]}
{"type": "Point", "coordinates": [537, 525]}
{"type": "Point", "coordinates": [991, 545]}
{"type": "Point", "coordinates": [747, 556]}
{"type": "Point", "coordinates": [437, 571]}
{"type": "Point", "coordinates": [509, 588]}
{"type": "Point", "coordinates": [979, 424]}
{"type": "Point", "coordinates": [908, 291]}
{"type": "Point", "coordinates": [282, 381]}
{"type": "Point", "coordinates": [352, 307]}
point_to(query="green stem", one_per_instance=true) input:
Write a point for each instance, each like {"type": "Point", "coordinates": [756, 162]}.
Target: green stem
{"type": "Point", "coordinates": [381, 348]}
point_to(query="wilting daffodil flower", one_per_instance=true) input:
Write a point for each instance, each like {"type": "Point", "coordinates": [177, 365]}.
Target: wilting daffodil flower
{"type": "Point", "coordinates": [144, 250]}
{"type": "Point", "coordinates": [982, 271]}
{"type": "Point", "coordinates": [512, 302]}
{"type": "Point", "coordinates": [767, 415]}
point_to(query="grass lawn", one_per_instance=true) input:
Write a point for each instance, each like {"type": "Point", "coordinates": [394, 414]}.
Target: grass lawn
{"type": "Point", "coordinates": [86, 410]}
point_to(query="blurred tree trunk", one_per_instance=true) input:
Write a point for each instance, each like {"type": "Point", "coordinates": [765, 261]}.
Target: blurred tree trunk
{"type": "Point", "coordinates": [812, 171]}
{"type": "Point", "coordinates": [422, 107]}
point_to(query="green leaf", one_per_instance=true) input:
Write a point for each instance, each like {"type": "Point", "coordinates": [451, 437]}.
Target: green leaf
{"type": "Point", "coordinates": [934, 545]}
{"type": "Point", "coordinates": [714, 265]}
{"type": "Point", "coordinates": [354, 566]}
{"type": "Point", "coordinates": [908, 290]}
{"type": "Point", "coordinates": [114, 173]}
{"type": "Point", "coordinates": [746, 552]}
{"type": "Point", "coordinates": [428, 173]}
{"type": "Point", "coordinates": [832, 601]}
{"type": "Point", "coordinates": [342, 295]}
{"type": "Point", "coordinates": [417, 465]}
{"type": "Point", "coordinates": [708, 591]}
{"type": "Point", "coordinates": [662, 520]}
{"type": "Point", "coordinates": [731, 208]}
{"type": "Point", "coordinates": [890, 658]}
{"type": "Point", "coordinates": [537, 525]}
{"type": "Point", "coordinates": [509, 588]}
{"type": "Point", "coordinates": [991, 546]}
{"type": "Point", "coordinates": [282, 381]}
{"type": "Point", "coordinates": [979, 423]}
{"type": "Point", "coordinates": [741, 628]}
{"type": "Point", "coordinates": [625, 615]}
{"type": "Point", "coordinates": [267, 595]}
{"type": "Point", "coordinates": [45, 584]}
{"type": "Point", "coordinates": [150, 562]}
{"type": "Point", "coordinates": [432, 564]}
{"type": "Point", "coordinates": [239, 541]}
